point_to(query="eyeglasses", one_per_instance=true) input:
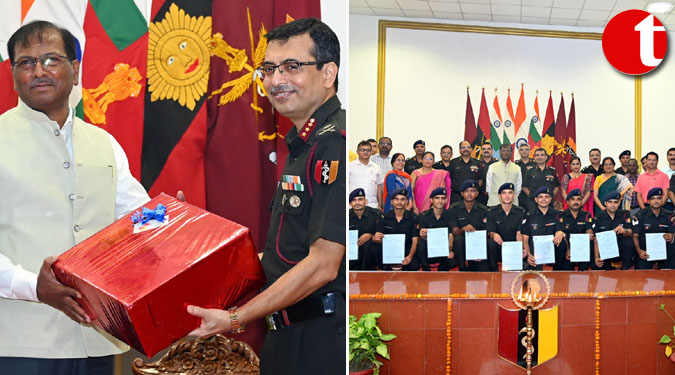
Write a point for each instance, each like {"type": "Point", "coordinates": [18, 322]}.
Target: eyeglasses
{"type": "Point", "coordinates": [364, 150]}
{"type": "Point", "coordinates": [385, 143]}
{"type": "Point", "coordinates": [290, 67]}
{"type": "Point", "coordinates": [49, 62]}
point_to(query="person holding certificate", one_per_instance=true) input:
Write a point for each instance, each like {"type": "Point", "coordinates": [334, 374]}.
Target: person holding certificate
{"type": "Point", "coordinates": [612, 218]}
{"type": "Point", "coordinates": [575, 220]}
{"type": "Point", "coordinates": [654, 219]}
{"type": "Point", "coordinates": [437, 218]}
{"type": "Point", "coordinates": [503, 224]}
{"type": "Point", "coordinates": [467, 215]}
{"type": "Point", "coordinates": [363, 219]}
{"type": "Point", "coordinates": [544, 221]}
{"type": "Point", "coordinates": [400, 221]}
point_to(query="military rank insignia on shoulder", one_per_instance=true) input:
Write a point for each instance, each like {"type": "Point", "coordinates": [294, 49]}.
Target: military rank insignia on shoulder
{"type": "Point", "coordinates": [325, 171]}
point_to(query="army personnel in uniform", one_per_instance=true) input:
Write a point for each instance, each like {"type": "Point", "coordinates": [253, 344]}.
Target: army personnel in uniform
{"type": "Point", "coordinates": [525, 164]}
{"type": "Point", "coordinates": [400, 221]}
{"type": "Point", "coordinates": [544, 220]}
{"type": "Point", "coordinates": [654, 219]}
{"type": "Point", "coordinates": [612, 218]}
{"type": "Point", "coordinates": [363, 219]}
{"type": "Point", "coordinates": [467, 215]}
{"type": "Point", "coordinates": [540, 176]}
{"type": "Point", "coordinates": [504, 223]}
{"type": "Point", "coordinates": [304, 255]}
{"type": "Point", "coordinates": [435, 217]}
{"type": "Point", "coordinates": [463, 168]}
{"type": "Point", "coordinates": [415, 162]}
{"type": "Point", "coordinates": [575, 220]}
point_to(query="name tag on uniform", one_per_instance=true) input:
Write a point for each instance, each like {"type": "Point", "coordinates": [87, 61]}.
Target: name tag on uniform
{"type": "Point", "coordinates": [291, 183]}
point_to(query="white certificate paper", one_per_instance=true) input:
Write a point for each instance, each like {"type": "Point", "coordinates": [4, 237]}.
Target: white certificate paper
{"type": "Point", "coordinates": [476, 245]}
{"type": "Point", "coordinates": [544, 251]}
{"type": "Point", "coordinates": [607, 244]}
{"type": "Point", "coordinates": [437, 242]}
{"type": "Point", "coordinates": [512, 256]}
{"type": "Point", "coordinates": [656, 246]}
{"type": "Point", "coordinates": [393, 248]}
{"type": "Point", "coordinates": [353, 245]}
{"type": "Point", "coordinates": [580, 247]}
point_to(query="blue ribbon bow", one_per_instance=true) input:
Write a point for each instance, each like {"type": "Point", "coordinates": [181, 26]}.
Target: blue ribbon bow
{"type": "Point", "coordinates": [148, 214]}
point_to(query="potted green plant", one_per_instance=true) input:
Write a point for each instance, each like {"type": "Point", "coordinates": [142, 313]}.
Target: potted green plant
{"type": "Point", "coordinates": [669, 341]}
{"type": "Point", "coordinates": [366, 341]}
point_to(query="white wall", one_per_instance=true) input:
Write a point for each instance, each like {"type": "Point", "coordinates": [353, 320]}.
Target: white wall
{"type": "Point", "coordinates": [334, 14]}
{"type": "Point", "coordinates": [427, 73]}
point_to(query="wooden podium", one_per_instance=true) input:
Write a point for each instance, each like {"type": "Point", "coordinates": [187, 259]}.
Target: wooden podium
{"type": "Point", "coordinates": [609, 322]}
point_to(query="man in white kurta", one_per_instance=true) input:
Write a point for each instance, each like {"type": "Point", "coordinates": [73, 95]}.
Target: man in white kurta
{"type": "Point", "coordinates": [501, 172]}
{"type": "Point", "coordinates": [61, 180]}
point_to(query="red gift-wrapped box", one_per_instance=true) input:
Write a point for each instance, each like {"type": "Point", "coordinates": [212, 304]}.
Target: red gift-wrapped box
{"type": "Point", "coordinates": [137, 286]}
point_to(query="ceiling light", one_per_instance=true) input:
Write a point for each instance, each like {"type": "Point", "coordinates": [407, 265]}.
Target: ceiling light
{"type": "Point", "coordinates": [660, 7]}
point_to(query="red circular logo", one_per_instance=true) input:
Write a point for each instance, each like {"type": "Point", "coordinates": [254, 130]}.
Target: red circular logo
{"type": "Point", "coordinates": [634, 42]}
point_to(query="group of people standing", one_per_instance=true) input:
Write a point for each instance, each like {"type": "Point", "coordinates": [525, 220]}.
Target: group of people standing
{"type": "Point", "coordinates": [510, 201]}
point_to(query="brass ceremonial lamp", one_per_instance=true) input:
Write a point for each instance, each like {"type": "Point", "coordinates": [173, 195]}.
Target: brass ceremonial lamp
{"type": "Point", "coordinates": [532, 300]}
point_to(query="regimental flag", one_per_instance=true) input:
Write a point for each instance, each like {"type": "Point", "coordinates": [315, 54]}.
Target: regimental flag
{"type": "Point", "coordinates": [469, 120]}
{"type": "Point", "coordinates": [246, 141]}
{"type": "Point", "coordinates": [178, 66]}
{"type": "Point", "coordinates": [548, 132]}
{"type": "Point", "coordinates": [533, 136]}
{"type": "Point", "coordinates": [571, 132]}
{"type": "Point", "coordinates": [482, 128]}
{"type": "Point", "coordinates": [513, 333]}
{"type": "Point", "coordinates": [113, 74]}
{"type": "Point", "coordinates": [560, 149]}
{"type": "Point", "coordinates": [497, 126]}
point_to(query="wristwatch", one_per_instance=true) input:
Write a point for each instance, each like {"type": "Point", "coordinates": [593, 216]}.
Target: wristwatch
{"type": "Point", "coordinates": [234, 321]}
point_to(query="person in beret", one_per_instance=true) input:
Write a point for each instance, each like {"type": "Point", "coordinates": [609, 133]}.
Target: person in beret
{"type": "Point", "coordinates": [504, 222]}
{"type": "Point", "coordinates": [400, 221]}
{"type": "Point", "coordinates": [619, 221]}
{"type": "Point", "coordinates": [467, 215]}
{"type": "Point", "coordinates": [463, 168]}
{"type": "Point", "coordinates": [654, 219]}
{"type": "Point", "coordinates": [574, 221]}
{"type": "Point", "coordinates": [544, 220]}
{"type": "Point", "coordinates": [540, 176]}
{"type": "Point", "coordinates": [624, 156]}
{"type": "Point", "coordinates": [415, 162]}
{"type": "Point", "coordinates": [435, 217]}
{"type": "Point", "coordinates": [363, 219]}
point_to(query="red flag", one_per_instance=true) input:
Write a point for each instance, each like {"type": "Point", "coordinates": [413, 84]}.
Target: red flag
{"type": "Point", "coordinates": [8, 97]}
{"type": "Point", "coordinates": [245, 142]}
{"type": "Point", "coordinates": [560, 150]}
{"type": "Point", "coordinates": [571, 133]}
{"type": "Point", "coordinates": [484, 115]}
{"type": "Point", "coordinates": [469, 120]}
{"type": "Point", "coordinates": [548, 131]}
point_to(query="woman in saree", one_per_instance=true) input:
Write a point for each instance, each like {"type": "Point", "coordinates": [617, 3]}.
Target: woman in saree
{"type": "Point", "coordinates": [609, 181]}
{"type": "Point", "coordinates": [577, 180]}
{"type": "Point", "coordinates": [425, 180]}
{"type": "Point", "coordinates": [396, 179]}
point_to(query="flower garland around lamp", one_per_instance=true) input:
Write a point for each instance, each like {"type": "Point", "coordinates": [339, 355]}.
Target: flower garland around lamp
{"type": "Point", "coordinates": [448, 331]}
{"type": "Point", "coordinates": [669, 341]}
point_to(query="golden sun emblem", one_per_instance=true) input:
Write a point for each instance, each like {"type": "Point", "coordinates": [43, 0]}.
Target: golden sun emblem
{"type": "Point", "coordinates": [179, 57]}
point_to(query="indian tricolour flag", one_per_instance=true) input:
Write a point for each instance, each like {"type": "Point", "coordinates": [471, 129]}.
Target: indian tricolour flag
{"type": "Point", "coordinates": [497, 126]}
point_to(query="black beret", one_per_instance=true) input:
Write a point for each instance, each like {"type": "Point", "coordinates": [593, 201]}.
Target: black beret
{"type": "Point", "coordinates": [653, 192]}
{"type": "Point", "coordinates": [438, 191]}
{"type": "Point", "coordinates": [506, 186]}
{"type": "Point", "coordinates": [401, 191]}
{"type": "Point", "coordinates": [611, 195]}
{"type": "Point", "coordinates": [624, 152]}
{"type": "Point", "coordinates": [356, 193]}
{"type": "Point", "coordinates": [573, 193]}
{"type": "Point", "coordinates": [542, 190]}
{"type": "Point", "coordinates": [418, 142]}
{"type": "Point", "coordinates": [468, 184]}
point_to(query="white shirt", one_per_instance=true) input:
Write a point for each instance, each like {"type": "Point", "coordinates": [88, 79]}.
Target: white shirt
{"type": "Point", "coordinates": [17, 283]}
{"type": "Point", "coordinates": [499, 173]}
{"type": "Point", "coordinates": [367, 177]}
{"type": "Point", "coordinates": [383, 163]}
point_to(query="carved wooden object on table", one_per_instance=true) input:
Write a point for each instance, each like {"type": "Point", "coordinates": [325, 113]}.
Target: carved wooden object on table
{"type": "Point", "coordinates": [215, 355]}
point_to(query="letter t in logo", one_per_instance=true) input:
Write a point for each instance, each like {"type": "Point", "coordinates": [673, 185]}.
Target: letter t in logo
{"type": "Point", "coordinates": [647, 29]}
